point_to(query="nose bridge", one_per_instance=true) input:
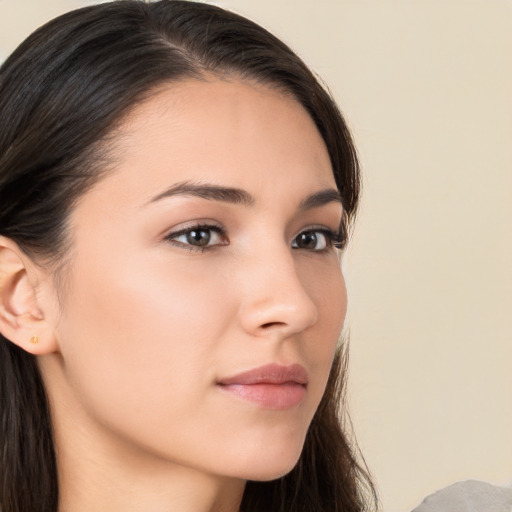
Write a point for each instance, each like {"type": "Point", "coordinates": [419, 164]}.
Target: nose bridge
{"type": "Point", "coordinates": [276, 299]}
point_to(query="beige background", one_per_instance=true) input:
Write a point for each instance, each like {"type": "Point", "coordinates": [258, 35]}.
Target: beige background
{"type": "Point", "coordinates": [427, 88]}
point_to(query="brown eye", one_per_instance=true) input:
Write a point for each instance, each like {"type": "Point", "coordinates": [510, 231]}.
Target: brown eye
{"type": "Point", "coordinates": [200, 237]}
{"type": "Point", "coordinates": [312, 240]}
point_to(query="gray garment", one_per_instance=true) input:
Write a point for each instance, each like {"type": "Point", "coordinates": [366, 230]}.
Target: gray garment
{"type": "Point", "coordinates": [468, 496]}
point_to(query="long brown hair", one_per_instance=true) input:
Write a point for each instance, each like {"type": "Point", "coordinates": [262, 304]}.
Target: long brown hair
{"type": "Point", "coordinates": [61, 94]}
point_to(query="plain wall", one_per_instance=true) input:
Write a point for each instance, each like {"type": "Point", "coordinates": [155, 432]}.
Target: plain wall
{"type": "Point", "coordinates": [426, 86]}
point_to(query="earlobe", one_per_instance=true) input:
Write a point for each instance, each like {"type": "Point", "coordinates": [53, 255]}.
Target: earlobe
{"type": "Point", "coordinates": [22, 318]}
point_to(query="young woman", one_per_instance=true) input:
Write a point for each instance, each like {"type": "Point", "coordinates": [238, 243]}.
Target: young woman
{"type": "Point", "coordinates": [175, 187]}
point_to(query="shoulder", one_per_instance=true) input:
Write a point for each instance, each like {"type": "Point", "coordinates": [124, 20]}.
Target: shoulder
{"type": "Point", "coordinates": [468, 496]}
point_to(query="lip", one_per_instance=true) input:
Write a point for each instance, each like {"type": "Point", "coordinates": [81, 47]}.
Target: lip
{"type": "Point", "coordinates": [272, 386]}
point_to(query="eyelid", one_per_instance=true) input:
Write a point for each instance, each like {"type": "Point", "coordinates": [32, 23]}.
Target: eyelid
{"type": "Point", "coordinates": [213, 226]}
{"type": "Point", "coordinates": [335, 238]}
{"type": "Point", "coordinates": [183, 227]}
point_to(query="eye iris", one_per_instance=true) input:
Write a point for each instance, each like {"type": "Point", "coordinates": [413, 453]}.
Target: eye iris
{"type": "Point", "coordinates": [198, 237]}
{"type": "Point", "coordinates": [307, 240]}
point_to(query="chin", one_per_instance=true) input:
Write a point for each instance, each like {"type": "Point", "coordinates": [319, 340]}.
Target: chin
{"type": "Point", "coordinates": [270, 466]}
{"type": "Point", "coordinates": [273, 473]}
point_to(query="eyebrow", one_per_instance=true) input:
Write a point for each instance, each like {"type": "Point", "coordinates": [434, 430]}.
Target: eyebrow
{"type": "Point", "coordinates": [321, 198]}
{"type": "Point", "coordinates": [239, 196]}
{"type": "Point", "coordinates": [207, 191]}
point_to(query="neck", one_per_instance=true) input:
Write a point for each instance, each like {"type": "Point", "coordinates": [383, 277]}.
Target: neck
{"type": "Point", "coordinates": [179, 492]}
{"type": "Point", "coordinates": [102, 481]}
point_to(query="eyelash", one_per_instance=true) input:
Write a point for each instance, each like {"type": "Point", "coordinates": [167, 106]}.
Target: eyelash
{"type": "Point", "coordinates": [332, 238]}
{"type": "Point", "coordinates": [196, 227]}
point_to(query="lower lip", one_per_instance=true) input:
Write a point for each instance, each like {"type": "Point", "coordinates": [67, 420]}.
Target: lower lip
{"type": "Point", "coordinates": [269, 396]}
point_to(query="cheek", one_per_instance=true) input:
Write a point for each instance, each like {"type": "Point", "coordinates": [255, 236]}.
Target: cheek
{"type": "Point", "coordinates": [144, 336]}
{"type": "Point", "coordinates": [326, 287]}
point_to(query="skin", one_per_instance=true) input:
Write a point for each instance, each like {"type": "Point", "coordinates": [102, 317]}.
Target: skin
{"type": "Point", "coordinates": [133, 348]}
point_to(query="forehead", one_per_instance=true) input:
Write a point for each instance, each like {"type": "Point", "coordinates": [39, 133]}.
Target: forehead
{"type": "Point", "coordinates": [235, 133]}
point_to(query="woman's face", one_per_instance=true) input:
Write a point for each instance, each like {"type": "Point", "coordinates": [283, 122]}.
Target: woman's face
{"type": "Point", "coordinates": [205, 254]}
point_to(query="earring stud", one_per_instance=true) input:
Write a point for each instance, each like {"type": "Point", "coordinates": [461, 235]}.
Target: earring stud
{"type": "Point", "coordinates": [34, 339]}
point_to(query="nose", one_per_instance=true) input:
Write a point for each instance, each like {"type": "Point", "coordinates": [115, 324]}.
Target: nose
{"type": "Point", "coordinates": [276, 301]}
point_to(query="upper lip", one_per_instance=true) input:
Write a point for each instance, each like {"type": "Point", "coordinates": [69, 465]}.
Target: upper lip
{"type": "Point", "coordinates": [269, 374]}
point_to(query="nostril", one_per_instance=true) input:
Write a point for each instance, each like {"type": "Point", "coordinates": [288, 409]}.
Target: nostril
{"type": "Point", "coordinates": [272, 324]}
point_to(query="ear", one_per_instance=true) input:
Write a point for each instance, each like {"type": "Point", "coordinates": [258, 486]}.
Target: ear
{"type": "Point", "coordinates": [22, 308]}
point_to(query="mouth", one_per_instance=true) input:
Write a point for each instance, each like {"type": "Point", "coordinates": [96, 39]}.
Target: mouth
{"type": "Point", "coordinates": [273, 386]}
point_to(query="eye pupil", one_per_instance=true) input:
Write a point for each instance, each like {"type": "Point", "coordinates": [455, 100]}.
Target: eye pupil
{"type": "Point", "coordinates": [199, 237]}
{"type": "Point", "coordinates": [307, 240]}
